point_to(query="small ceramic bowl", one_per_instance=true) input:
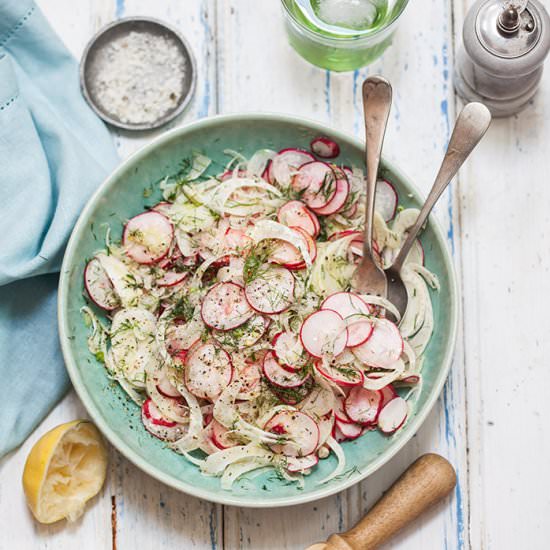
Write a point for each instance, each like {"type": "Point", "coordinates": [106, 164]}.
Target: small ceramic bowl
{"type": "Point", "coordinates": [91, 66]}
{"type": "Point", "coordinates": [121, 197]}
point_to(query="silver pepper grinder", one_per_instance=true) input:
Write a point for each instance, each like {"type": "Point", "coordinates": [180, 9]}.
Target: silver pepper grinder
{"type": "Point", "coordinates": [504, 46]}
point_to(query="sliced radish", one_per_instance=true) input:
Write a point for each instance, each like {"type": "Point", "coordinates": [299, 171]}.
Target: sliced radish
{"type": "Point", "coordinates": [272, 291]}
{"type": "Point", "coordinates": [350, 430]}
{"type": "Point", "coordinates": [297, 214]}
{"type": "Point", "coordinates": [316, 182]}
{"type": "Point", "coordinates": [409, 380]}
{"type": "Point", "coordinates": [237, 239]}
{"type": "Point", "coordinates": [386, 200]}
{"type": "Point", "coordinates": [324, 333]}
{"type": "Point", "coordinates": [208, 370]}
{"type": "Point", "coordinates": [157, 425]}
{"type": "Point", "coordinates": [99, 286]}
{"type": "Point", "coordinates": [221, 436]}
{"type": "Point", "coordinates": [383, 348]}
{"type": "Point", "coordinates": [228, 174]}
{"type": "Point", "coordinates": [250, 377]}
{"type": "Point", "coordinates": [393, 415]}
{"type": "Point", "coordinates": [171, 278]}
{"type": "Point", "coordinates": [181, 336]}
{"type": "Point", "coordinates": [299, 430]}
{"type": "Point", "coordinates": [243, 336]}
{"type": "Point", "coordinates": [325, 148]}
{"type": "Point", "coordinates": [388, 393]}
{"type": "Point", "coordinates": [350, 210]}
{"type": "Point", "coordinates": [353, 309]}
{"type": "Point", "coordinates": [285, 164]}
{"type": "Point", "coordinates": [289, 256]}
{"type": "Point", "coordinates": [301, 463]}
{"type": "Point", "coordinates": [288, 350]}
{"type": "Point", "coordinates": [147, 237]}
{"type": "Point", "coordinates": [338, 201]}
{"type": "Point", "coordinates": [337, 434]}
{"type": "Point", "coordinates": [225, 307]}
{"type": "Point", "coordinates": [341, 375]}
{"type": "Point", "coordinates": [166, 388]}
{"type": "Point", "coordinates": [292, 396]}
{"type": "Point", "coordinates": [279, 376]}
{"type": "Point", "coordinates": [340, 411]}
{"type": "Point", "coordinates": [363, 405]}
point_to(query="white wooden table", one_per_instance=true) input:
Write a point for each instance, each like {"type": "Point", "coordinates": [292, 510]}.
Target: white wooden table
{"type": "Point", "coordinates": [491, 418]}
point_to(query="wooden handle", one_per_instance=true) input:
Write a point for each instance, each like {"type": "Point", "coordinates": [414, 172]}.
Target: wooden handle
{"type": "Point", "coordinates": [427, 481]}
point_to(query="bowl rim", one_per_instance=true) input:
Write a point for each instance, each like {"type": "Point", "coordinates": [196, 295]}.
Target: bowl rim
{"type": "Point", "coordinates": [208, 494]}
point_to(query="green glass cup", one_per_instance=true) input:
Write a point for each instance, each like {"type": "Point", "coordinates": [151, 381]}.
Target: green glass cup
{"type": "Point", "coordinates": [345, 48]}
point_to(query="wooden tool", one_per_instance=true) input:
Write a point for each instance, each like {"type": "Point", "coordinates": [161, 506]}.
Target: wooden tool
{"type": "Point", "coordinates": [426, 482]}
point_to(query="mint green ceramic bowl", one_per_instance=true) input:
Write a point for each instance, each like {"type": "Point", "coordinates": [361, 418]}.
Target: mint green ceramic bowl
{"type": "Point", "coordinates": [120, 197]}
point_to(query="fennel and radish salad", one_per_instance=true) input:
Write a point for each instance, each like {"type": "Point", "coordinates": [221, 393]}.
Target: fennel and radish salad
{"type": "Point", "coordinates": [225, 312]}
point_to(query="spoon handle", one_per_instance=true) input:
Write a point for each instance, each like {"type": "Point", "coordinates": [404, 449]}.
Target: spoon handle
{"type": "Point", "coordinates": [471, 125]}
{"type": "Point", "coordinates": [377, 97]}
{"type": "Point", "coordinates": [427, 481]}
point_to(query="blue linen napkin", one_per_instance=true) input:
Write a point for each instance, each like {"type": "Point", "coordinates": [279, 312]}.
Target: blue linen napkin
{"type": "Point", "coordinates": [54, 152]}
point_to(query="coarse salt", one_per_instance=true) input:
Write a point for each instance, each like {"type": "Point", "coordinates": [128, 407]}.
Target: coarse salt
{"type": "Point", "coordinates": [139, 77]}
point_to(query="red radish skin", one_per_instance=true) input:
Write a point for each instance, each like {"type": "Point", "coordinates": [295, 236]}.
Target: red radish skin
{"type": "Point", "coordinates": [230, 174]}
{"type": "Point", "coordinates": [383, 348]}
{"type": "Point", "coordinates": [288, 350]}
{"type": "Point", "coordinates": [225, 307]}
{"type": "Point", "coordinates": [340, 377]}
{"type": "Point", "coordinates": [363, 406]}
{"type": "Point", "coordinates": [393, 415]}
{"type": "Point", "coordinates": [99, 287]}
{"type": "Point", "coordinates": [237, 239]}
{"type": "Point", "coordinates": [352, 308]}
{"type": "Point", "coordinates": [412, 379]}
{"type": "Point", "coordinates": [208, 370]}
{"type": "Point", "coordinates": [340, 411]}
{"type": "Point", "coordinates": [221, 436]}
{"type": "Point", "coordinates": [301, 463]}
{"type": "Point", "coordinates": [147, 237]}
{"type": "Point", "coordinates": [271, 293]}
{"type": "Point", "coordinates": [338, 201]}
{"type": "Point", "coordinates": [386, 200]}
{"type": "Point", "coordinates": [323, 332]}
{"type": "Point", "coordinates": [280, 377]}
{"type": "Point", "coordinates": [349, 430]}
{"type": "Point", "coordinates": [171, 278]}
{"type": "Point", "coordinates": [297, 395]}
{"type": "Point", "coordinates": [166, 388]}
{"type": "Point", "coordinates": [250, 377]}
{"type": "Point", "coordinates": [297, 214]}
{"type": "Point", "coordinates": [285, 164]}
{"type": "Point", "coordinates": [157, 425]}
{"type": "Point", "coordinates": [325, 148]}
{"type": "Point", "coordinates": [316, 181]}
{"type": "Point", "coordinates": [388, 393]}
{"type": "Point", "coordinates": [338, 435]}
{"type": "Point", "coordinates": [289, 256]}
{"type": "Point", "coordinates": [299, 428]}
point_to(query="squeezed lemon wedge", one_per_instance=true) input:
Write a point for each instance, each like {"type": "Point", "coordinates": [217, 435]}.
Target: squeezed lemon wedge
{"type": "Point", "coordinates": [65, 468]}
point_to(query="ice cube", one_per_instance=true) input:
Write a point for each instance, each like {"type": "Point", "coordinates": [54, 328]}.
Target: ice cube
{"type": "Point", "coordinates": [351, 14]}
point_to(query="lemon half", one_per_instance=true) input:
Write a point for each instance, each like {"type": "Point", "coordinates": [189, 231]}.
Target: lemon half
{"type": "Point", "coordinates": [65, 468]}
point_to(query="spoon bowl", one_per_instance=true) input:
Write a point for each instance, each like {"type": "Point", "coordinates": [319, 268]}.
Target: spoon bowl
{"type": "Point", "coordinates": [470, 127]}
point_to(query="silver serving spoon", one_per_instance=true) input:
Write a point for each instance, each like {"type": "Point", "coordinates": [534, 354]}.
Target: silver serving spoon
{"type": "Point", "coordinates": [369, 277]}
{"type": "Point", "coordinates": [471, 125]}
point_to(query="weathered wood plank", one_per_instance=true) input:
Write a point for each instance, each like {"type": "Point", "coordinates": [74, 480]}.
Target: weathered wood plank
{"type": "Point", "coordinates": [419, 67]}
{"type": "Point", "coordinates": [506, 237]}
